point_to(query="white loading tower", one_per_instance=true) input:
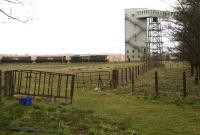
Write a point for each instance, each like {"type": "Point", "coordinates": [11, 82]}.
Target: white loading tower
{"type": "Point", "coordinates": [143, 33]}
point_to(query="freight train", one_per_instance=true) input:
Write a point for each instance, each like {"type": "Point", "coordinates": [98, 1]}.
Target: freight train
{"type": "Point", "coordinates": [54, 59]}
{"type": "Point", "coordinates": [24, 59]}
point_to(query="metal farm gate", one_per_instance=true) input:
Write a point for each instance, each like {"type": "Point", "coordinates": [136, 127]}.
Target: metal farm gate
{"type": "Point", "coordinates": [39, 84]}
{"type": "Point", "coordinates": [99, 79]}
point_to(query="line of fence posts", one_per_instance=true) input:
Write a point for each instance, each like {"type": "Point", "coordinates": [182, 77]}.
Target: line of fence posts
{"type": "Point", "coordinates": [134, 72]}
{"type": "Point", "coordinates": [129, 74]}
{"type": "Point", "coordinates": [138, 70]}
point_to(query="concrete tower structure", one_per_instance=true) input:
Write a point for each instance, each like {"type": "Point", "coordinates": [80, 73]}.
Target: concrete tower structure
{"type": "Point", "coordinates": [143, 33]}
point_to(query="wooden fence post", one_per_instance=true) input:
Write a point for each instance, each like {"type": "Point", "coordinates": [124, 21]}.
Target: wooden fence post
{"type": "Point", "coordinates": [132, 80]}
{"type": "Point", "coordinates": [184, 85]}
{"type": "Point", "coordinates": [122, 76]}
{"type": "Point", "coordinates": [0, 85]}
{"type": "Point", "coordinates": [196, 76]}
{"type": "Point", "coordinates": [126, 75]}
{"type": "Point", "coordinates": [115, 79]}
{"type": "Point", "coordinates": [129, 72]}
{"type": "Point", "coordinates": [146, 67]}
{"type": "Point", "coordinates": [6, 83]}
{"type": "Point", "coordinates": [156, 83]}
{"type": "Point", "coordinates": [142, 68]}
{"type": "Point", "coordinates": [133, 70]}
{"type": "Point", "coordinates": [136, 72]}
{"type": "Point", "coordinates": [199, 72]}
{"type": "Point", "coordinates": [72, 88]}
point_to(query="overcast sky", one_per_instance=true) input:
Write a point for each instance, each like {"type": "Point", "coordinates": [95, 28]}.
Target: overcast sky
{"type": "Point", "coordinates": [70, 26]}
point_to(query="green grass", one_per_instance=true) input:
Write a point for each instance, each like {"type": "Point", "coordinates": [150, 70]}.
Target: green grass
{"type": "Point", "coordinates": [170, 83]}
{"type": "Point", "coordinates": [103, 113]}
{"type": "Point", "coordinates": [109, 112]}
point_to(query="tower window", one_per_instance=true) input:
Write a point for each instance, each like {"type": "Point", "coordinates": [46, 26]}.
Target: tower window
{"type": "Point", "coordinates": [133, 51]}
{"type": "Point", "coordinates": [132, 15]}
{"type": "Point", "coordinates": [155, 19]}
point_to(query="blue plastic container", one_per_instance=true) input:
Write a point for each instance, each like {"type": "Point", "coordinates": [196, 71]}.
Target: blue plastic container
{"type": "Point", "coordinates": [26, 101]}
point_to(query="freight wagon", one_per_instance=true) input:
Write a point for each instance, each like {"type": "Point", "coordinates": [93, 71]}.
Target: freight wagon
{"type": "Point", "coordinates": [10, 59]}
{"type": "Point", "coordinates": [43, 59]}
{"type": "Point", "coordinates": [89, 58]}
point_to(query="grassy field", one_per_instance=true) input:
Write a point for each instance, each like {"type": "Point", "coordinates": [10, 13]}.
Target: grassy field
{"type": "Point", "coordinates": [170, 83]}
{"type": "Point", "coordinates": [63, 68]}
{"type": "Point", "coordinates": [106, 112]}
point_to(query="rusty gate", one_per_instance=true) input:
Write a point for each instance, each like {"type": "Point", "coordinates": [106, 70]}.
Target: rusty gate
{"type": "Point", "coordinates": [39, 84]}
{"type": "Point", "coordinates": [93, 79]}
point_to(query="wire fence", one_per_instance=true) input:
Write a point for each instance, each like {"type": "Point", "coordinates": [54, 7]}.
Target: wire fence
{"type": "Point", "coordinates": [172, 80]}
{"type": "Point", "coordinates": [93, 79]}
{"type": "Point", "coordinates": [112, 78]}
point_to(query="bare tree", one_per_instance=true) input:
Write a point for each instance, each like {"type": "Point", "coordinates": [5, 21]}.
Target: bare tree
{"type": "Point", "coordinates": [13, 4]}
{"type": "Point", "coordinates": [187, 32]}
